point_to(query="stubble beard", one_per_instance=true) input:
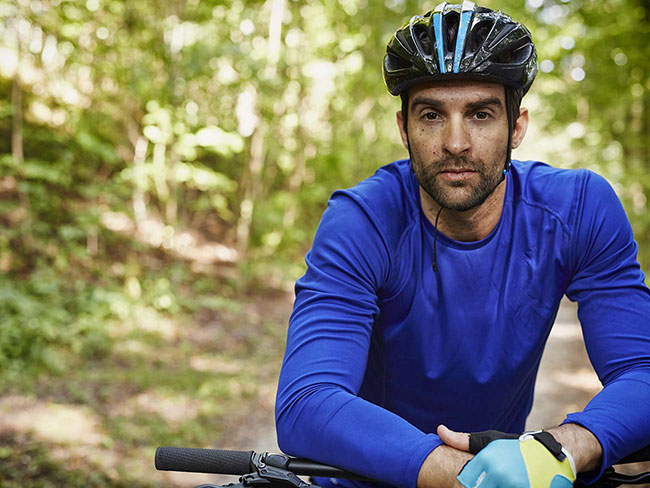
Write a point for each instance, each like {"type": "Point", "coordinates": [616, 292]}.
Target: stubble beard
{"type": "Point", "coordinates": [458, 195]}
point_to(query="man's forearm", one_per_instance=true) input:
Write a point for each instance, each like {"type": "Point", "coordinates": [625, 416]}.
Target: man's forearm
{"type": "Point", "coordinates": [581, 444]}
{"type": "Point", "coordinates": [441, 467]}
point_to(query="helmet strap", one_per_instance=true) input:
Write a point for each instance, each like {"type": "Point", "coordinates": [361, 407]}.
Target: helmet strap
{"type": "Point", "coordinates": [405, 122]}
{"type": "Point", "coordinates": [510, 104]}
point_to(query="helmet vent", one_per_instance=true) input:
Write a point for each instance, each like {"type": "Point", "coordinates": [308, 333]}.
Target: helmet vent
{"type": "Point", "coordinates": [423, 37]}
{"type": "Point", "coordinates": [521, 54]}
{"type": "Point", "coordinates": [505, 32]}
{"type": "Point", "coordinates": [479, 33]}
{"type": "Point", "coordinates": [395, 62]}
{"type": "Point", "coordinates": [515, 55]}
{"type": "Point", "coordinates": [450, 30]}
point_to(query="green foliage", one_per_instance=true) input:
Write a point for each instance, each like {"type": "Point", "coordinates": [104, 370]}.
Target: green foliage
{"type": "Point", "coordinates": [27, 464]}
{"type": "Point", "coordinates": [237, 120]}
{"type": "Point", "coordinates": [41, 317]}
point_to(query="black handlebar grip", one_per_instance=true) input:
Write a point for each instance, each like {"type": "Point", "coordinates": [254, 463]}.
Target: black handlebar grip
{"type": "Point", "coordinates": [194, 460]}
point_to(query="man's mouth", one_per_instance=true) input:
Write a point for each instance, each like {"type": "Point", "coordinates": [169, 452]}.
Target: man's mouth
{"type": "Point", "coordinates": [456, 174]}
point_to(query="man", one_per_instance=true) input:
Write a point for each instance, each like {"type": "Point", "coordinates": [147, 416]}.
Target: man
{"type": "Point", "coordinates": [432, 286]}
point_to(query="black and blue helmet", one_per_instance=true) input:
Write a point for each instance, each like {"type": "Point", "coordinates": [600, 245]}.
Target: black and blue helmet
{"type": "Point", "coordinates": [460, 40]}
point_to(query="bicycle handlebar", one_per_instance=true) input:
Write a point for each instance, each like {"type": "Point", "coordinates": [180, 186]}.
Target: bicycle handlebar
{"type": "Point", "coordinates": [217, 461]}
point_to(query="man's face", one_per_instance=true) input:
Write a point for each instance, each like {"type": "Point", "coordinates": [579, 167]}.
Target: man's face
{"type": "Point", "coordinates": [458, 133]}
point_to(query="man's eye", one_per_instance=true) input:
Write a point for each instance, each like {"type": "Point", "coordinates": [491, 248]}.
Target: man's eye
{"type": "Point", "coordinates": [431, 116]}
{"type": "Point", "coordinates": [482, 115]}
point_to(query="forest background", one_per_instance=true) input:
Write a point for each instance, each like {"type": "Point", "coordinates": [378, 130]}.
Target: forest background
{"type": "Point", "coordinates": [163, 167]}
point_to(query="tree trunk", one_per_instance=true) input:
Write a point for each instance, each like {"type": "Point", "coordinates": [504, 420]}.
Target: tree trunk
{"type": "Point", "coordinates": [17, 139]}
{"type": "Point", "coordinates": [139, 204]}
{"type": "Point", "coordinates": [252, 190]}
{"type": "Point", "coordinates": [275, 35]}
{"type": "Point", "coordinates": [17, 122]}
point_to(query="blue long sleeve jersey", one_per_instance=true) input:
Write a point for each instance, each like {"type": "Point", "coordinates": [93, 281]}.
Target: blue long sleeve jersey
{"type": "Point", "coordinates": [381, 349]}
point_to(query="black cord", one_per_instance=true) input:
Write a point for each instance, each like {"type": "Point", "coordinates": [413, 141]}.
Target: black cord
{"type": "Point", "coordinates": [435, 242]}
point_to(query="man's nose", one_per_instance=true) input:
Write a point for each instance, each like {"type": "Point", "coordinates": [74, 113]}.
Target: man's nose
{"type": "Point", "coordinates": [457, 139]}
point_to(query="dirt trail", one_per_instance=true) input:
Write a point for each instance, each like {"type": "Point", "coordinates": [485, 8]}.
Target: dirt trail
{"type": "Point", "coordinates": [566, 380]}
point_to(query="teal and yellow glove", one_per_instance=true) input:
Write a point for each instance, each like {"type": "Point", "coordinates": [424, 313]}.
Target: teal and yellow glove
{"type": "Point", "coordinates": [533, 460]}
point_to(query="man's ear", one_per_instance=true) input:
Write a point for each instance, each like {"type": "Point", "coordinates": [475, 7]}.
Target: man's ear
{"type": "Point", "coordinates": [402, 131]}
{"type": "Point", "coordinates": [520, 128]}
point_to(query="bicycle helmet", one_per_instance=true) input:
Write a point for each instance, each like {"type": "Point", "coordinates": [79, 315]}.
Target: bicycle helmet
{"type": "Point", "coordinates": [463, 41]}
{"type": "Point", "coordinates": [460, 40]}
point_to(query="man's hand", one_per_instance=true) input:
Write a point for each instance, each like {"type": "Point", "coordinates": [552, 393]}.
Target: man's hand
{"type": "Point", "coordinates": [531, 461]}
{"type": "Point", "coordinates": [526, 462]}
{"type": "Point", "coordinates": [580, 442]}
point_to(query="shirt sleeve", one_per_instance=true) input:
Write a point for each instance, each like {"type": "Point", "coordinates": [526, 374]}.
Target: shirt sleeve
{"type": "Point", "coordinates": [318, 413]}
{"type": "Point", "coordinates": [614, 311]}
